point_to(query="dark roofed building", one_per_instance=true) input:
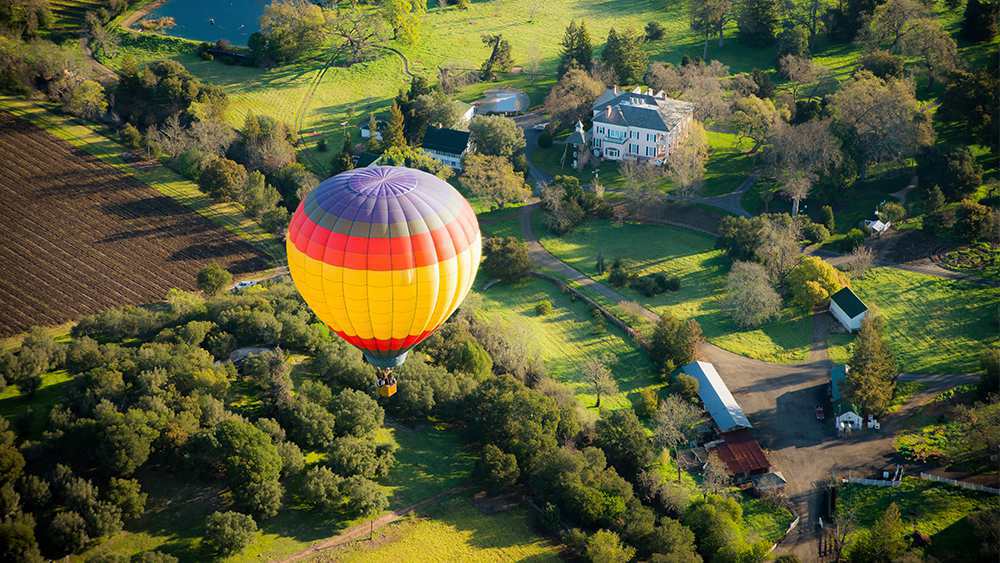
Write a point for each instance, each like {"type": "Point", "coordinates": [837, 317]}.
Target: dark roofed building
{"type": "Point", "coordinates": [447, 146]}
{"type": "Point", "coordinates": [848, 309]}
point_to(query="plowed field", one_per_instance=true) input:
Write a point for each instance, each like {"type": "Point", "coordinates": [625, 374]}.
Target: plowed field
{"type": "Point", "coordinates": [77, 236]}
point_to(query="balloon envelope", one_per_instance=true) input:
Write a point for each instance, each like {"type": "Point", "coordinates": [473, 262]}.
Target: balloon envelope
{"type": "Point", "coordinates": [384, 255]}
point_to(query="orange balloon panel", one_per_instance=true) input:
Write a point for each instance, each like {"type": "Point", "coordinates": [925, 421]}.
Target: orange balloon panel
{"type": "Point", "coordinates": [384, 255]}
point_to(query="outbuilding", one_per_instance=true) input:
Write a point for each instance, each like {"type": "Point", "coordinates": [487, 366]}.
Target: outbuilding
{"type": "Point", "coordinates": [446, 146]}
{"type": "Point", "coordinates": [503, 101]}
{"type": "Point", "coordinates": [847, 418]}
{"type": "Point", "coordinates": [715, 396]}
{"type": "Point", "coordinates": [848, 309]}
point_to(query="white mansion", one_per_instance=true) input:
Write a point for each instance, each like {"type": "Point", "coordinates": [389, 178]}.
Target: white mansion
{"type": "Point", "coordinates": [637, 124]}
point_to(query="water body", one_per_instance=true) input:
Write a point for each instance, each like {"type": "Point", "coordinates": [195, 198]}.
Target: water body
{"type": "Point", "coordinates": [211, 20]}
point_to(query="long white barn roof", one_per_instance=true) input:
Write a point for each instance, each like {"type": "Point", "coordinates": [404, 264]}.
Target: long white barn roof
{"type": "Point", "coordinates": [718, 401]}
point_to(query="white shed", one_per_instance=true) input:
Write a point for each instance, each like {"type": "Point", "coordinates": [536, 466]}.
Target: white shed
{"type": "Point", "coordinates": [848, 309]}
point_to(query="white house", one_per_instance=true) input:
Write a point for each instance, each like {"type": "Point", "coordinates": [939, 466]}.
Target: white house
{"type": "Point", "coordinates": [637, 124]}
{"type": "Point", "coordinates": [447, 146]}
{"type": "Point", "coordinates": [848, 309]}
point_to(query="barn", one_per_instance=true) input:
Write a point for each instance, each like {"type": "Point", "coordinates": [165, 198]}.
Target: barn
{"type": "Point", "coordinates": [848, 309]}
{"type": "Point", "coordinates": [719, 402]}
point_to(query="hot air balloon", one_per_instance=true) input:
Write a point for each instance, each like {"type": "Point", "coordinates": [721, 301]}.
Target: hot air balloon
{"type": "Point", "coordinates": [384, 255]}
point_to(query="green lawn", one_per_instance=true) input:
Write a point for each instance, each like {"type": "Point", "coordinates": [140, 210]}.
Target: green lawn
{"type": "Point", "coordinates": [933, 508]}
{"type": "Point", "coordinates": [691, 257]}
{"type": "Point", "coordinates": [500, 223]}
{"type": "Point", "coordinates": [933, 325]}
{"type": "Point", "coordinates": [88, 138]}
{"type": "Point", "coordinates": [17, 407]}
{"type": "Point", "coordinates": [455, 530]}
{"type": "Point", "coordinates": [567, 337]}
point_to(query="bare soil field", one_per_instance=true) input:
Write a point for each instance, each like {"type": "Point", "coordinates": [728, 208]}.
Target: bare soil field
{"type": "Point", "coordinates": [77, 236]}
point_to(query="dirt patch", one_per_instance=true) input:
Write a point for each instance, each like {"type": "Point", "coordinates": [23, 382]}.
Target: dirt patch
{"type": "Point", "coordinates": [81, 236]}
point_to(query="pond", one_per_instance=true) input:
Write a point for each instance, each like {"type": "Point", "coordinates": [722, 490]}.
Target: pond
{"type": "Point", "coordinates": [211, 20]}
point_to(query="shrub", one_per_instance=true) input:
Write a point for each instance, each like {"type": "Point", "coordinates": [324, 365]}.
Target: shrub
{"type": "Point", "coordinates": [229, 532]}
{"type": "Point", "coordinates": [815, 233]}
{"type": "Point", "coordinates": [543, 307]}
{"type": "Point", "coordinates": [892, 212]}
{"type": "Point", "coordinates": [853, 239]}
{"type": "Point", "coordinates": [813, 281]}
{"type": "Point", "coordinates": [321, 145]}
{"type": "Point", "coordinates": [506, 258]}
{"type": "Point", "coordinates": [882, 64]}
{"type": "Point", "coordinates": [131, 136]}
{"type": "Point", "coordinates": [829, 222]}
{"type": "Point", "coordinates": [618, 276]}
{"type": "Point", "coordinates": [654, 31]}
{"type": "Point", "coordinates": [686, 386]}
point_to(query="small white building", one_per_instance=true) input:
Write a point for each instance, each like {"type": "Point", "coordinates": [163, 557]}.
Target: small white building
{"type": "Point", "coordinates": [848, 309]}
{"type": "Point", "coordinates": [846, 417]}
{"type": "Point", "coordinates": [877, 227]}
{"type": "Point", "coordinates": [638, 125]}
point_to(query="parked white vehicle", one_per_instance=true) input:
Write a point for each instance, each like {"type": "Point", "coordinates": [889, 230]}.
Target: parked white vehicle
{"type": "Point", "coordinates": [245, 284]}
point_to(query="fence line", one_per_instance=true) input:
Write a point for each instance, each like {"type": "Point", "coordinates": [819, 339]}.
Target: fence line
{"type": "Point", "coordinates": [962, 484]}
{"type": "Point", "coordinates": [605, 312]}
{"type": "Point", "coordinates": [871, 482]}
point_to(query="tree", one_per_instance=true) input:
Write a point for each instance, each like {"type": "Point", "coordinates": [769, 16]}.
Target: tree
{"type": "Point", "coordinates": [577, 51]}
{"type": "Point", "coordinates": [357, 413]}
{"type": "Point", "coordinates": [289, 29]}
{"type": "Point", "coordinates": [214, 279]}
{"type": "Point", "coordinates": [907, 27]}
{"type": "Point", "coordinates": [606, 547]}
{"type": "Point", "coordinates": [499, 59]}
{"type": "Point", "coordinates": [258, 196]}
{"type": "Point", "coordinates": [496, 135]}
{"type": "Point", "coordinates": [624, 55]}
{"type": "Point", "coordinates": [499, 467]}
{"type": "Point", "coordinates": [599, 376]}
{"type": "Point", "coordinates": [793, 40]}
{"type": "Point", "coordinates": [365, 498]}
{"type": "Point", "coordinates": [321, 488]}
{"type": "Point", "coordinates": [697, 82]}
{"type": "Point", "coordinates": [229, 532]}
{"type": "Point", "coordinates": [880, 120]}
{"type": "Point", "coordinates": [625, 442]}
{"type": "Point", "coordinates": [750, 297]}
{"type": "Point", "coordinates": [885, 541]}
{"type": "Point", "coordinates": [68, 531]}
{"type": "Point", "coordinates": [797, 156]}
{"type": "Point", "coordinates": [955, 172]}
{"type": "Point", "coordinates": [674, 340]}
{"type": "Point", "coordinates": [673, 542]}
{"type": "Point", "coordinates": [677, 420]}
{"type": "Point", "coordinates": [710, 17]}
{"type": "Point", "coordinates": [345, 160]}
{"type": "Point", "coordinates": [754, 119]}
{"type": "Point", "coordinates": [394, 137]}
{"type": "Point", "coordinates": [686, 160]}
{"type": "Point", "coordinates": [404, 17]}
{"type": "Point", "coordinates": [222, 179]}
{"type": "Point", "coordinates": [777, 246]}
{"type": "Point", "coordinates": [148, 95]}
{"type": "Point", "coordinates": [758, 21]}
{"type": "Point", "coordinates": [494, 179]}
{"type": "Point", "coordinates": [309, 425]}
{"type": "Point", "coordinates": [437, 109]}
{"type": "Point", "coordinates": [989, 379]}
{"type": "Point", "coordinates": [572, 98]}
{"type": "Point", "coordinates": [813, 280]}
{"type": "Point", "coordinates": [859, 261]}
{"type": "Point", "coordinates": [716, 475]}
{"type": "Point", "coordinates": [871, 381]}
{"type": "Point", "coordinates": [252, 465]}
{"type": "Point", "coordinates": [973, 99]}
{"type": "Point", "coordinates": [359, 32]}
{"type": "Point", "coordinates": [87, 100]}
{"type": "Point", "coordinates": [979, 20]}
{"type": "Point", "coordinates": [882, 64]}
{"type": "Point", "coordinates": [17, 540]}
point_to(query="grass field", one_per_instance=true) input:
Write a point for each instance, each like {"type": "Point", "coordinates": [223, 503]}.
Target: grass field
{"type": "Point", "coordinates": [88, 139]}
{"type": "Point", "coordinates": [935, 509]}
{"type": "Point", "coordinates": [455, 530]}
{"type": "Point", "coordinates": [567, 337]}
{"type": "Point", "coordinates": [933, 325]}
{"type": "Point", "coordinates": [14, 405]}
{"type": "Point", "coordinates": [691, 257]}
